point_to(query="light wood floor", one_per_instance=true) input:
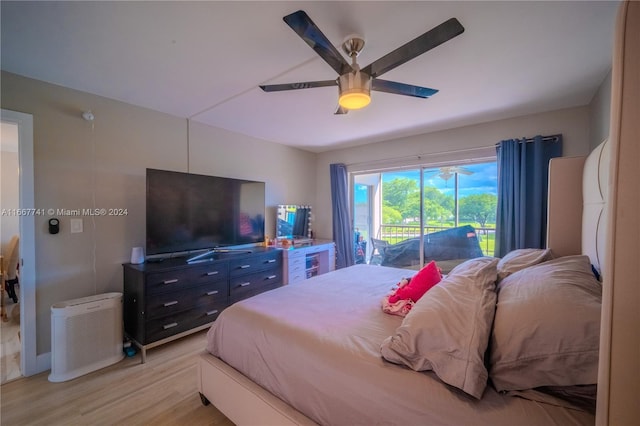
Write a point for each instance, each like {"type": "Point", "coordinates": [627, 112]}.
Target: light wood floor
{"type": "Point", "coordinates": [10, 343]}
{"type": "Point", "coordinates": [163, 391]}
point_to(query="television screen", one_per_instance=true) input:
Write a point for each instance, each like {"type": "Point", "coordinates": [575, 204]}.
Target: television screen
{"type": "Point", "coordinates": [187, 212]}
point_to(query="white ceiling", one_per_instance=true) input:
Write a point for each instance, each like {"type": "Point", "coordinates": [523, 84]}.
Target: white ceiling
{"type": "Point", "coordinates": [205, 60]}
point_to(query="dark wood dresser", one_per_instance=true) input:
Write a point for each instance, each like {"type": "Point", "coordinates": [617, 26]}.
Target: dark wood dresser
{"type": "Point", "coordinates": [170, 299]}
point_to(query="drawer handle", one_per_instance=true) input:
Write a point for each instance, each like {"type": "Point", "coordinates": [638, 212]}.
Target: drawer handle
{"type": "Point", "coordinates": [245, 266]}
{"type": "Point", "coordinates": [174, 302]}
{"type": "Point", "coordinates": [168, 326]}
{"type": "Point", "coordinates": [270, 277]}
{"type": "Point", "coordinates": [215, 311]}
{"type": "Point", "coordinates": [212, 273]}
{"type": "Point", "coordinates": [271, 261]}
{"type": "Point", "coordinates": [212, 292]}
{"type": "Point", "coordinates": [245, 284]}
{"type": "Point", "coordinates": [175, 280]}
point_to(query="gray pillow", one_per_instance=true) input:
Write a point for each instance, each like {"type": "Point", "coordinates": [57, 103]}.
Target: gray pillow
{"type": "Point", "coordinates": [547, 326]}
{"type": "Point", "coordinates": [447, 330]}
{"type": "Point", "coordinates": [519, 259]}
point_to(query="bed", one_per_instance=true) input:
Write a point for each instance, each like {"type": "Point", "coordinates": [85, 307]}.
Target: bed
{"type": "Point", "coordinates": [479, 348]}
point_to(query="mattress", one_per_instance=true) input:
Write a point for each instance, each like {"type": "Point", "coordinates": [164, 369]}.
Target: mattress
{"type": "Point", "coordinates": [316, 346]}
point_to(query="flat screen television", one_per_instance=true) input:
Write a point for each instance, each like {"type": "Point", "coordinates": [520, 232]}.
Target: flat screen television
{"type": "Point", "coordinates": [188, 212]}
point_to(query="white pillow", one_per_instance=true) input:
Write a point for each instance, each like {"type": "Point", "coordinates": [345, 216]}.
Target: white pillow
{"type": "Point", "coordinates": [547, 326]}
{"type": "Point", "coordinates": [448, 329]}
{"type": "Point", "coordinates": [519, 259]}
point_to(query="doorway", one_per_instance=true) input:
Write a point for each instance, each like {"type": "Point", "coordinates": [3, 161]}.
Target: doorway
{"type": "Point", "coordinates": [9, 237]}
{"type": "Point", "coordinates": [21, 125]}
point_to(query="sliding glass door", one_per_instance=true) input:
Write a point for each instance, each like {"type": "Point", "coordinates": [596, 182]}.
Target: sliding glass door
{"type": "Point", "coordinates": [406, 218]}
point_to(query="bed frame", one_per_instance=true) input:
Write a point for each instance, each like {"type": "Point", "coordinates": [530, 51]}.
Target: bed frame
{"type": "Point", "coordinates": [241, 400]}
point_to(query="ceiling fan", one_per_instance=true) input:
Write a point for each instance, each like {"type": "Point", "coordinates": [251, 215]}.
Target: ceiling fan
{"type": "Point", "coordinates": [447, 172]}
{"type": "Point", "coordinates": [355, 84]}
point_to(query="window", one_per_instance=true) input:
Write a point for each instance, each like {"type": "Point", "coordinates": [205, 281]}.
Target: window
{"type": "Point", "coordinates": [461, 200]}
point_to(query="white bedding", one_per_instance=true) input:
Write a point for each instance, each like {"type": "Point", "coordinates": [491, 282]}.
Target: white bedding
{"type": "Point", "coordinates": [316, 345]}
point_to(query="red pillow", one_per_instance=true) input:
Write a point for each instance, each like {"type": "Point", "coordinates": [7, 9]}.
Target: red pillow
{"type": "Point", "coordinates": [425, 279]}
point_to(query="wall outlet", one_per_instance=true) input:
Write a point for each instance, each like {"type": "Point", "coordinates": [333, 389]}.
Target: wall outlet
{"type": "Point", "coordinates": [76, 226]}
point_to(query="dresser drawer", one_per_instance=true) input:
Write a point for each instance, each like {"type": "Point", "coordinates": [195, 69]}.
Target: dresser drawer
{"type": "Point", "coordinates": [297, 269]}
{"type": "Point", "coordinates": [167, 281]}
{"type": "Point", "coordinates": [252, 264]}
{"type": "Point", "coordinates": [180, 279]}
{"type": "Point", "coordinates": [296, 277]}
{"type": "Point", "coordinates": [170, 303]}
{"type": "Point", "coordinates": [160, 328]}
{"type": "Point", "coordinates": [249, 285]}
{"type": "Point", "coordinates": [293, 255]}
{"type": "Point", "coordinates": [208, 273]}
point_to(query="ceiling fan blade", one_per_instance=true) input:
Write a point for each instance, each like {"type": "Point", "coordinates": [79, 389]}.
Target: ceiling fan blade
{"type": "Point", "coordinates": [416, 47]}
{"type": "Point", "coordinates": [462, 170]}
{"type": "Point", "coordinates": [401, 88]}
{"type": "Point", "coordinates": [303, 26]}
{"type": "Point", "coordinates": [296, 86]}
{"type": "Point", "coordinates": [450, 170]}
{"type": "Point", "coordinates": [341, 110]}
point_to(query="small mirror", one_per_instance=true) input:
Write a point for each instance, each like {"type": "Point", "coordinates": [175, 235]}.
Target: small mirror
{"type": "Point", "coordinates": [293, 221]}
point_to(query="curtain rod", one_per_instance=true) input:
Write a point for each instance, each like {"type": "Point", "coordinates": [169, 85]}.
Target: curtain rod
{"type": "Point", "coordinates": [417, 157]}
{"type": "Point", "coordinates": [551, 138]}
{"type": "Point", "coordinates": [421, 156]}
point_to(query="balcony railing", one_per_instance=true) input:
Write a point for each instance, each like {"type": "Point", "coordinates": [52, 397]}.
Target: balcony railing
{"type": "Point", "coordinates": [396, 233]}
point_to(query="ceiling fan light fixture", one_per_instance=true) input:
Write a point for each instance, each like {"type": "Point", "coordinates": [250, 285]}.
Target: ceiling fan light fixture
{"type": "Point", "coordinates": [355, 90]}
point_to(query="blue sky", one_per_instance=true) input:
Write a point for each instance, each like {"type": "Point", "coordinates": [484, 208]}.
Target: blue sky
{"type": "Point", "coordinates": [483, 180]}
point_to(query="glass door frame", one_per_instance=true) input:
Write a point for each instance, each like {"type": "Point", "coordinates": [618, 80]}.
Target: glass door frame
{"type": "Point", "coordinates": [371, 211]}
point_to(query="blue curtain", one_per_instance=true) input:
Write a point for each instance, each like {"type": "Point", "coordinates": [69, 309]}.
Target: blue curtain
{"type": "Point", "coordinates": [523, 168]}
{"type": "Point", "coordinates": [342, 235]}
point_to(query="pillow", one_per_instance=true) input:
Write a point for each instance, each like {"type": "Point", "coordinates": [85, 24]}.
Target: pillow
{"type": "Point", "coordinates": [519, 259]}
{"type": "Point", "coordinates": [547, 326]}
{"type": "Point", "coordinates": [419, 284]}
{"type": "Point", "coordinates": [447, 330]}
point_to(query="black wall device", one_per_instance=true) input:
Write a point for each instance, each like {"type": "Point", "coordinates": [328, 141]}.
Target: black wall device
{"type": "Point", "coordinates": [54, 225]}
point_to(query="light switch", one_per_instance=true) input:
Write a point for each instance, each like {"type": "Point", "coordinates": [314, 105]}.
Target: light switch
{"type": "Point", "coordinates": [76, 226]}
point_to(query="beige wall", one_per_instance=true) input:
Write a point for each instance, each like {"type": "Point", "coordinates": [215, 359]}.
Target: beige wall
{"type": "Point", "coordinates": [286, 170]}
{"type": "Point", "coordinates": [76, 161]}
{"type": "Point", "coordinates": [573, 123]}
{"type": "Point", "coordinates": [599, 113]}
